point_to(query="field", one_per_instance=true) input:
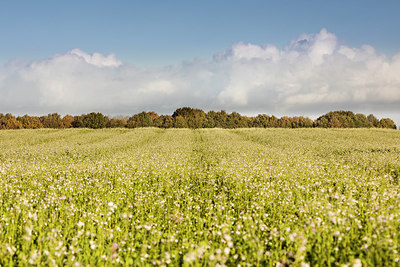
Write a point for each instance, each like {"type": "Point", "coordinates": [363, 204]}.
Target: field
{"type": "Point", "coordinates": [196, 197]}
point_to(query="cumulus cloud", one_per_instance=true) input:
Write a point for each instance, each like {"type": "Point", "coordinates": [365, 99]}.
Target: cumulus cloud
{"type": "Point", "coordinates": [313, 74]}
{"type": "Point", "coordinates": [96, 59]}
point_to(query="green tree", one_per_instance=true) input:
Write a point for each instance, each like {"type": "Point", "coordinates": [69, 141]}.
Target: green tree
{"type": "Point", "coordinates": [116, 123]}
{"type": "Point", "coordinates": [51, 121]}
{"type": "Point", "coordinates": [361, 121]}
{"type": "Point", "coordinates": [164, 121]}
{"type": "Point", "coordinates": [153, 117]}
{"type": "Point", "coordinates": [261, 121]}
{"type": "Point", "coordinates": [387, 123]}
{"type": "Point", "coordinates": [301, 122]}
{"type": "Point", "coordinates": [94, 120]}
{"type": "Point", "coordinates": [211, 117]}
{"type": "Point", "coordinates": [195, 118]}
{"type": "Point", "coordinates": [78, 122]}
{"type": "Point", "coordinates": [139, 120]}
{"type": "Point", "coordinates": [235, 120]}
{"type": "Point", "coordinates": [285, 122]}
{"type": "Point", "coordinates": [221, 119]}
{"type": "Point", "coordinates": [373, 120]}
{"type": "Point", "coordinates": [321, 122]}
{"type": "Point", "coordinates": [334, 122]}
{"type": "Point", "coordinates": [337, 119]}
{"type": "Point", "coordinates": [180, 122]}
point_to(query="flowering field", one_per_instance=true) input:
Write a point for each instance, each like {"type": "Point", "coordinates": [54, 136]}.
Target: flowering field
{"type": "Point", "coordinates": [194, 197]}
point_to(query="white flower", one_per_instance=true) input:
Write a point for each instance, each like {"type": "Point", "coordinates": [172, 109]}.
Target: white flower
{"type": "Point", "coordinates": [191, 256]}
{"type": "Point", "coordinates": [226, 251]}
{"type": "Point", "coordinates": [11, 250]}
{"type": "Point", "coordinates": [92, 244]}
{"type": "Point", "coordinates": [292, 236]}
{"type": "Point", "coordinates": [80, 224]}
{"type": "Point", "coordinates": [357, 263]}
{"type": "Point", "coordinates": [337, 233]}
{"type": "Point", "coordinates": [227, 237]}
{"type": "Point", "coordinates": [28, 230]}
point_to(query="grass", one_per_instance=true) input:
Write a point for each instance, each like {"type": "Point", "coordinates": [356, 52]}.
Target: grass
{"type": "Point", "coordinates": [319, 197]}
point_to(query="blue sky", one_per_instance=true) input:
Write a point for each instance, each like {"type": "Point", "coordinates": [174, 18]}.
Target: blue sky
{"type": "Point", "coordinates": [274, 57]}
{"type": "Point", "coordinates": [165, 32]}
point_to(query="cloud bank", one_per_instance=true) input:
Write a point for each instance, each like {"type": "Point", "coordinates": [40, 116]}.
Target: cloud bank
{"type": "Point", "coordinates": [314, 74]}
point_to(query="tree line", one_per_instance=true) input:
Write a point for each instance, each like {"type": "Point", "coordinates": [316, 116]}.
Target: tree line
{"type": "Point", "coordinates": [187, 117]}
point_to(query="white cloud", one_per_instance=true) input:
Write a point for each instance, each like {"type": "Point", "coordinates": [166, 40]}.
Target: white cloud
{"type": "Point", "coordinates": [97, 59]}
{"type": "Point", "coordinates": [312, 75]}
{"type": "Point", "coordinates": [250, 51]}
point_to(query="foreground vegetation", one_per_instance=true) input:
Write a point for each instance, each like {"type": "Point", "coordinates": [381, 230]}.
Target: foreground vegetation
{"type": "Point", "coordinates": [170, 197]}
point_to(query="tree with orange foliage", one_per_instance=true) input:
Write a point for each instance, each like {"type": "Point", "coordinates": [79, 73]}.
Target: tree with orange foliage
{"type": "Point", "coordinates": [8, 121]}
{"type": "Point", "coordinates": [67, 121]}
{"type": "Point", "coordinates": [30, 122]}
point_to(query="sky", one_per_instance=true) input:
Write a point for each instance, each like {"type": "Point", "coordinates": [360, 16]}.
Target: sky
{"type": "Point", "coordinates": [300, 57]}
